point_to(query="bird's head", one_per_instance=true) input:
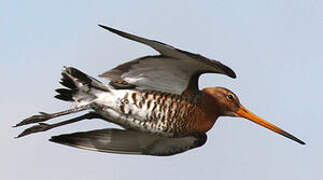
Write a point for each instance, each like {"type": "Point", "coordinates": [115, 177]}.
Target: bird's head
{"type": "Point", "coordinates": [228, 104]}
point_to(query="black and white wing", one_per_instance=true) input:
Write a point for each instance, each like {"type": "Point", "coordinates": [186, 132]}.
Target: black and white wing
{"type": "Point", "coordinates": [173, 71]}
{"type": "Point", "coordinates": [130, 142]}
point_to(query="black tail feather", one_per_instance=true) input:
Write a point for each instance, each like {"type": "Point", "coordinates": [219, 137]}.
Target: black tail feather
{"type": "Point", "coordinates": [76, 83]}
{"type": "Point", "coordinates": [80, 76]}
{"type": "Point", "coordinates": [67, 82]}
{"type": "Point", "coordinates": [69, 75]}
{"type": "Point", "coordinates": [64, 94]}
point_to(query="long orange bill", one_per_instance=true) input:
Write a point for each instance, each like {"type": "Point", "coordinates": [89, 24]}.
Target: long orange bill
{"type": "Point", "coordinates": [245, 113]}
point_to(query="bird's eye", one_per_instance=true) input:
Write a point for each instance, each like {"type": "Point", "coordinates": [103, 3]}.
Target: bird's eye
{"type": "Point", "coordinates": [230, 97]}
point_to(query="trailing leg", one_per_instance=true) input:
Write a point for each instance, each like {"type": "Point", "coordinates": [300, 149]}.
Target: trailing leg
{"type": "Point", "coordinates": [42, 117]}
{"type": "Point", "coordinates": [44, 127]}
{"type": "Point", "coordinates": [80, 89]}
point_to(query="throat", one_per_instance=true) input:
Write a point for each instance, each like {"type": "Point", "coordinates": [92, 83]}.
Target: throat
{"type": "Point", "coordinates": [208, 114]}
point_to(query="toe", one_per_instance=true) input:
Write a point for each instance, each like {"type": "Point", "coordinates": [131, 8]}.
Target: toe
{"type": "Point", "coordinates": [34, 129]}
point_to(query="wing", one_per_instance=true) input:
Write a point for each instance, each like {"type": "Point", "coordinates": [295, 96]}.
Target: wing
{"type": "Point", "coordinates": [173, 71]}
{"type": "Point", "coordinates": [130, 142]}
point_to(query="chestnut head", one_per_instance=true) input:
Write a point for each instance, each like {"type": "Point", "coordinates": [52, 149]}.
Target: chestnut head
{"type": "Point", "coordinates": [228, 104]}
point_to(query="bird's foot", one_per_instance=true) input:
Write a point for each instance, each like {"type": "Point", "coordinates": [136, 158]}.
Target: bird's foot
{"type": "Point", "coordinates": [35, 119]}
{"type": "Point", "coordinates": [35, 129]}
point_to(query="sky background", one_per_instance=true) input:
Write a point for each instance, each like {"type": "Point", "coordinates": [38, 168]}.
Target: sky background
{"type": "Point", "coordinates": [275, 47]}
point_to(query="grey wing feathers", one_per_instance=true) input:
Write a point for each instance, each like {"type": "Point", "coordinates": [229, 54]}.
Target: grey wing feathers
{"type": "Point", "coordinates": [129, 142]}
{"type": "Point", "coordinates": [159, 73]}
{"type": "Point", "coordinates": [173, 71]}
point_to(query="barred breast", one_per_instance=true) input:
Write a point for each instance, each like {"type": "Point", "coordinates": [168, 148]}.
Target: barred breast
{"type": "Point", "coordinates": [150, 111]}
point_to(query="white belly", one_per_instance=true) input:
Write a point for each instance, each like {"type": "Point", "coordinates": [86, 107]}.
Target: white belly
{"type": "Point", "coordinates": [131, 109]}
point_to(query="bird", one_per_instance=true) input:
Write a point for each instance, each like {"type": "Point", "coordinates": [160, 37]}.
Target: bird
{"type": "Point", "coordinates": [155, 101]}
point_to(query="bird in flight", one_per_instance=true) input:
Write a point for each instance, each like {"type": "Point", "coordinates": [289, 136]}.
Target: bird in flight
{"type": "Point", "coordinates": [154, 99]}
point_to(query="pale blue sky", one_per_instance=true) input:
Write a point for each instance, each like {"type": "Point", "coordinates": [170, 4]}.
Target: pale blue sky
{"type": "Point", "coordinates": [275, 47]}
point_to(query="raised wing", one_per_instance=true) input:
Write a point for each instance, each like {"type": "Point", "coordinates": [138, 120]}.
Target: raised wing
{"type": "Point", "coordinates": [130, 142]}
{"type": "Point", "coordinates": [174, 71]}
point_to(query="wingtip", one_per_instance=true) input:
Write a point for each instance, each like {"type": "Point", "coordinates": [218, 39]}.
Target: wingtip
{"type": "Point", "coordinates": [61, 139]}
{"type": "Point", "coordinates": [102, 26]}
{"type": "Point", "coordinates": [56, 139]}
{"type": "Point", "coordinates": [228, 71]}
{"type": "Point", "coordinates": [116, 31]}
{"type": "Point", "coordinates": [106, 27]}
{"type": "Point", "coordinates": [233, 75]}
{"type": "Point", "coordinates": [52, 139]}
